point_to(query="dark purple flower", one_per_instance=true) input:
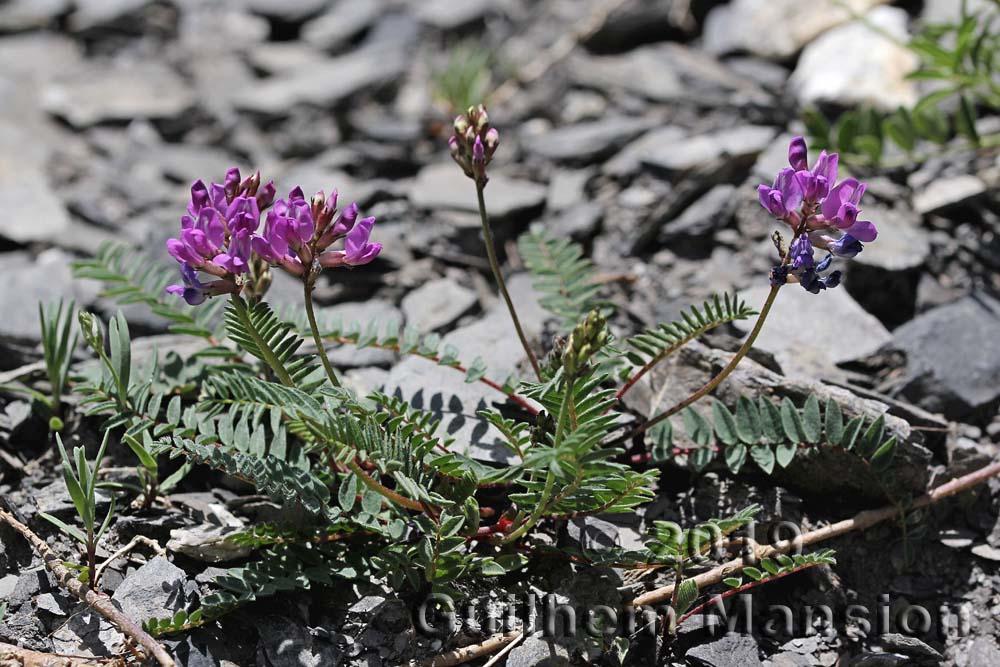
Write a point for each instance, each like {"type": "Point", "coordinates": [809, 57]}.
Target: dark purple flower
{"type": "Point", "coordinates": [846, 246]}
{"type": "Point", "coordinates": [840, 210]}
{"type": "Point", "coordinates": [797, 154]}
{"type": "Point", "coordinates": [802, 253]}
{"type": "Point", "coordinates": [779, 275]}
{"type": "Point", "coordinates": [193, 290]}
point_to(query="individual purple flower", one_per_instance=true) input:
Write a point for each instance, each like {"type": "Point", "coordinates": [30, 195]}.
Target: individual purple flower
{"type": "Point", "coordinates": [846, 246]}
{"type": "Point", "coordinates": [194, 291]}
{"type": "Point", "coordinates": [357, 249]}
{"type": "Point", "coordinates": [783, 197]}
{"type": "Point", "coordinates": [840, 210]}
{"type": "Point", "coordinates": [802, 253]}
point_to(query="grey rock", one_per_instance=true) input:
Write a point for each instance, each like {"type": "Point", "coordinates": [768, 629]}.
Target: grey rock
{"type": "Point", "coordinates": [7, 584]}
{"type": "Point", "coordinates": [943, 193]}
{"type": "Point", "coordinates": [394, 30]}
{"type": "Point", "coordinates": [346, 19]}
{"type": "Point", "coordinates": [870, 659]}
{"type": "Point", "coordinates": [96, 93]}
{"type": "Point", "coordinates": [18, 15]}
{"type": "Point", "coordinates": [48, 277]}
{"type": "Point", "coordinates": [788, 659]}
{"type": "Point", "coordinates": [628, 161]}
{"type": "Point", "coordinates": [567, 188]}
{"type": "Point", "coordinates": [828, 331]}
{"type": "Point", "coordinates": [437, 303]}
{"type": "Point", "coordinates": [154, 590]}
{"type": "Point", "coordinates": [285, 643]}
{"type": "Point", "coordinates": [984, 651]}
{"type": "Point", "coordinates": [33, 211]}
{"type": "Point", "coordinates": [443, 390]}
{"type": "Point", "coordinates": [953, 356]}
{"type": "Point", "coordinates": [538, 652]}
{"type": "Point", "coordinates": [667, 72]}
{"type": "Point", "coordinates": [106, 14]}
{"type": "Point", "coordinates": [832, 68]}
{"type": "Point", "coordinates": [592, 533]}
{"type": "Point", "coordinates": [288, 11]}
{"type": "Point", "coordinates": [710, 212]}
{"type": "Point", "coordinates": [704, 151]}
{"type": "Point", "coordinates": [382, 312]}
{"type": "Point", "coordinates": [588, 142]}
{"type": "Point", "coordinates": [449, 15]}
{"type": "Point", "coordinates": [893, 261]}
{"type": "Point", "coordinates": [828, 470]}
{"type": "Point", "coordinates": [899, 643]}
{"type": "Point", "coordinates": [728, 651]}
{"type": "Point", "coordinates": [208, 544]}
{"type": "Point", "coordinates": [637, 22]}
{"type": "Point", "coordinates": [341, 78]}
{"type": "Point", "coordinates": [579, 223]}
{"type": "Point", "coordinates": [442, 186]}
{"type": "Point", "coordinates": [284, 58]}
{"type": "Point", "coordinates": [986, 552]}
{"type": "Point", "coordinates": [788, 24]}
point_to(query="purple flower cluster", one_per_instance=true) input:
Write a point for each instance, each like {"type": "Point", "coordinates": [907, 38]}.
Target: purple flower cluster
{"type": "Point", "coordinates": [219, 236]}
{"type": "Point", "coordinates": [811, 202]}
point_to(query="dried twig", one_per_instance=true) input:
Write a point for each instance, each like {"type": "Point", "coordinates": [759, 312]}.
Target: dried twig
{"type": "Point", "coordinates": [504, 651]}
{"type": "Point", "coordinates": [15, 656]}
{"type": "Point", "coordinates": [466, 654]}
{"type": "Point", "coordinates": [67, 579]}
{"type": "Point", "coordinates": [860, 521]}
{"type": "Point", "coordinates": [137, 540]}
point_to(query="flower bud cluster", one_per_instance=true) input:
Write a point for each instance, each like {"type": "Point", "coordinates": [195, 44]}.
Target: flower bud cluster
{"type": "Point", "coordinates": [474, 143]}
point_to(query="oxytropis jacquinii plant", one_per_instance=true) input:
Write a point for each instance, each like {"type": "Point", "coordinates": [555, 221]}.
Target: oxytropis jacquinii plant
{"type": "Point", "coordinates": [373, 487]}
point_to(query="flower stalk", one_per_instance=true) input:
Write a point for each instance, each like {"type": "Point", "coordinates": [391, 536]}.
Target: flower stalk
{"type": "Point", "coordinates": [317, 338]}
{"type": "Point", "coordinates": [501, 284]}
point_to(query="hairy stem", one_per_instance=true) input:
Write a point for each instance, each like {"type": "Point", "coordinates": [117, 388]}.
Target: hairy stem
{"type": "Point", "coordinates": [269, 356]}
{"type": "Point", "coordinates": [550, 478]}
{"type": "Point", "coordinates": [308, 290]}
{"type": "Point", "coordinates": [495, 265]}
{"type": "Point", "coordinates": [723, 374]}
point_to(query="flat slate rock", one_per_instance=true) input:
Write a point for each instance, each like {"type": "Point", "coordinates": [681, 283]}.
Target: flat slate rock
{"type": "Point", "coordinates": [829, 471]}
{"type": "Point", "coordinates": [588, 142]}
{"type": "Point", "coordinates": [704, 150]}
{"type": "Point", "coordinates": [451, 15]}
{"type": "Point", "coordinates": [444, 391]}
{"type": "Point", "coordinates": [96, 93]}
{"type": "Point", "coordinates": [943, 193]}
{"type": "Point", "coordinates": [27, 196]}
{"type": "Point", "coordinates": [345, 20]}
{"type": "Point", "coordinates": [437, 303]}
{"type": "Point", "coordinates": [444, 186]}
{"type": "Point", "coordinates": [809, 334]}
{"type": "Point", "coordinates": [28, 281]}
{"type": "Point", "coordinates": [729, 651]}
{"type": "Point", "coordinates": [953, 356]}
{"type": "Point", "coordinates": [325, 84]}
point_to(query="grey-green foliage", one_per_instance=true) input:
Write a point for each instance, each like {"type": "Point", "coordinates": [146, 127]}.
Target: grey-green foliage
{"type": "Point", "coordinates": [656, 343]}
{"type": "Point", "coordinates": [770, 434]}
{"type": "Point", "coordinates": [961, 58]}
{"type": "Point", "coordinates": [562, 274]}
{"type": "Point", "coordinates": [134, 277]}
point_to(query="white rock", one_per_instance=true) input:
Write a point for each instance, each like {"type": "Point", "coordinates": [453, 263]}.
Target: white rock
{"type": "Point", "coordinates": [443, 186]}
{"type": "Point", "coordinates": [857, 63]}
{"type": "Point", "coordinates": [776, 28]}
